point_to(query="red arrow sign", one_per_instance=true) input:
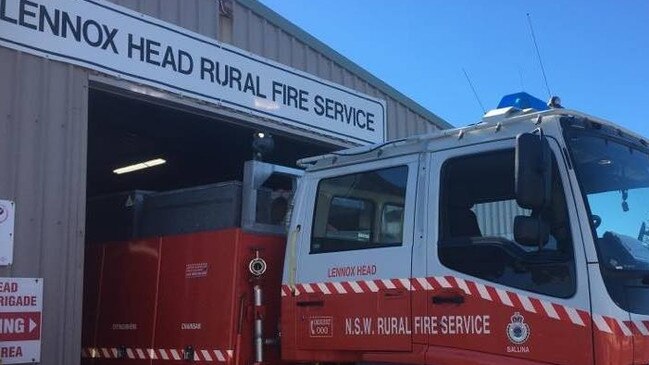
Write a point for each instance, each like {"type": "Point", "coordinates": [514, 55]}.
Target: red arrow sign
{"type": "Point", "coordinates": [25, 326]}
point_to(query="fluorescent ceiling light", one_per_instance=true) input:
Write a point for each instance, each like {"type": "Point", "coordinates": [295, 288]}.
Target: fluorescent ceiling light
{"type": "Point", "coordinates": [139, 166]}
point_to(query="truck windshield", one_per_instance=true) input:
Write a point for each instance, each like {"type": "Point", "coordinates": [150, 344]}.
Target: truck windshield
{"type": "Point", "coordinates": [613, 172]}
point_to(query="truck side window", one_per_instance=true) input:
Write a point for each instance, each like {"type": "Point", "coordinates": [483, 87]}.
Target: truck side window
{"type": "Point", "coordinates": [360, 211]}
{"type": "Point", "coordinates": [477, 211]}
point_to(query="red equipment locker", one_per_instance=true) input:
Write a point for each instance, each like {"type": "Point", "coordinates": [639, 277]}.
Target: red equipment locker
{"type": "Point", "coordinates": [94, 255]}
{"type": "Point", "coordinates": [127, 301]}
{"type": "Point", "coordinates": [205, 301]}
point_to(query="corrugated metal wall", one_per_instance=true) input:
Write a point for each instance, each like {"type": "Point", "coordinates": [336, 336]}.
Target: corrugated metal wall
{"type": "Point", "coordinates": [43, 124]}
{"type": "Point", "coordinates": [497, 218]}
{"type": "Point", "coordinates": [200, 16]}
{"type": "Point", "coordinates": [258, 34]}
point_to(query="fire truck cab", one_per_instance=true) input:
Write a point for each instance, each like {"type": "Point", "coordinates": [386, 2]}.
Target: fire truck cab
{"type": "Point", "coordinates": [518, 240]}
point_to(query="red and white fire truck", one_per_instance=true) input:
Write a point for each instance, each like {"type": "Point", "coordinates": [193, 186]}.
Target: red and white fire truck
{"type": "Point", "coordinates": [521, 239]}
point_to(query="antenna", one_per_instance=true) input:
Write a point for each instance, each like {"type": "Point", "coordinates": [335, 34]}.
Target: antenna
{"type": "Point", "coordinates": [538, 55]}
{"type": "Point", "coordinates": [474, 92]}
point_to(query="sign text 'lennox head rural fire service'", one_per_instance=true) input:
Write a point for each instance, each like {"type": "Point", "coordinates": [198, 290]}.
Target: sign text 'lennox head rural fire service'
{"type": "Point", "coordinates": [129, 45]}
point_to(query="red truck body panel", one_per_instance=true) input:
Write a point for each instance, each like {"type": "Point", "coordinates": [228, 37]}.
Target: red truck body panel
{"type": "Point", "coordinates": [165, 298]}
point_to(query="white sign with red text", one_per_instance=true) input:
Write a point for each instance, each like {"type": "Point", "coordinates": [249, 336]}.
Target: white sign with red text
{"type": "Point", "coordinates": [21, 306]}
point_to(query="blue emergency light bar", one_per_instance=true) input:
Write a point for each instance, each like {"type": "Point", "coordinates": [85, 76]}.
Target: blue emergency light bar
{"type": "Point", "coordinates": [522, 100]}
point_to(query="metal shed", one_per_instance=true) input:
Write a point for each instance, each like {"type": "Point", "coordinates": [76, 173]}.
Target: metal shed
{"type": "Point", "coordinates": [44, 130]}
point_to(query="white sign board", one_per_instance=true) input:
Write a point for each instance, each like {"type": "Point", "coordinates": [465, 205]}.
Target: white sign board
{"type": "Point", "coordinates": [21, 306]}
{"type": "Point", "coordinates": [114, 40]}
{"type": "Point", "coordinates": [7, 219]}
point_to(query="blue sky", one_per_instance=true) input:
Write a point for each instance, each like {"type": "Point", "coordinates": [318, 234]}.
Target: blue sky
{"type": "Point", "coordinates": [596, 53]}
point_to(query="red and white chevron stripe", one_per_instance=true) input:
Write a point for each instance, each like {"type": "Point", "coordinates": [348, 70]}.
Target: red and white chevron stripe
{"type": "Point", "coordinates": [204, 355]}
{"type": "Point", "coordinates": [512, 299]}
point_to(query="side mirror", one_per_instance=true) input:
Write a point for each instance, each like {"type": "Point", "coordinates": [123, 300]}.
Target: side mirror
{"type": "Point", "coordinates": [533, 171]}
{"type": "Point", "coordinates": [530, 231]}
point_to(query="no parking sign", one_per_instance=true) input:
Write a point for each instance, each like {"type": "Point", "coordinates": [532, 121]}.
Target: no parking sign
{"type": "Point", "coordinates": [21, 305]}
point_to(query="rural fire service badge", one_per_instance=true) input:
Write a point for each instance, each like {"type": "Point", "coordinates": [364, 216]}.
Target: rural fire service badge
{"type": "Point", "coordinates": [517, 330]}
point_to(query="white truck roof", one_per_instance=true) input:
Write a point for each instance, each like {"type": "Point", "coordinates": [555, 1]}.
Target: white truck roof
{"type": "Point", "coordinates": [498, 124]}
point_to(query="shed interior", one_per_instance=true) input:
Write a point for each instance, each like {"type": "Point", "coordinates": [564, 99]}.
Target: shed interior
{"type": "Point", "coordinates": [198, 149]}
{"type": "Point", "coordinates": [192, 201]}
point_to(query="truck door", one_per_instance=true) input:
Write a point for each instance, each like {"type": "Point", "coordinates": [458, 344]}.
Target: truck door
{"type": "Point", "coordinates": [353, 267]}
{"type": "Point", "coordinates": [491, 298]}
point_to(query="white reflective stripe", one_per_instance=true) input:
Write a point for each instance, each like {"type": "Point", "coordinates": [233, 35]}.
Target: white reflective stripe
{"type": "Point", "coordinates": [549, 309]}
{"type": "Point", "coordinates": [105, 353]}
{"type": "Point", "coordinates": [196, 356]}
{"type": "Point", "coordinates": [504, 297]}
{"type": "Point", "coordinates": [339, 288]}
{"type": "Point", "coordinates": [370, 284]}
{"type": "Point", "coordinates": [284, 291]}
{"type": "Point", "coordinates": [323, 288]}
{"type": "Point", "coordinates": [308, 288]}
{"type": "Point", "coordinates": [601, 324]}
{"type": "Point", "coordinates": [130, 354]}
{"type": "Point", "coordinates": [574, 316]}
{"type": "Point", "coordinates": [114, 352]}
{"type": "Point", "coordinates": [443, 282]}
{"type": "Point", "coordinates": [388, 283]}
{"type": "Point", "coordinates": [405, 283]}
{"type": "Point", "coordinates": [424, 283]}
{"type": "Point", "coordinates": [206, 355]}
{"type": "Point", "coordinates": [484, 294]}
{"type": "Point", "coordinates": [230, 353]}
{"type": "Point", "coordinates": [174, 354]}
{"type": "Point", "coordinates": [355, 287]}
{"type": "Point", "coordinates": [219, 355]}
{"type": "Point", "coordinates": [462, 285]}
{"type": "Point", "coordinates": [641, 327]}
{"type": "Point", "coordinates": [152, 354]}
{"type": "Point", "coordinates": [163, 354]}
{"type": "Point", "coordinates": [140, 353]}
{"type": "Point", "coordinates": [625, 329]}
{"type": "Point", "coordinates": [527, 304]}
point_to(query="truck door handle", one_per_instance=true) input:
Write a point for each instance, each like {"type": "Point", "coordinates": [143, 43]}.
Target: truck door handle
{"type": "Point", "coordinates": [392, 293]}
{"type": "Point", "coordinates": [448, 299]}
{"type": "Point", "coordinates": [311, 303]}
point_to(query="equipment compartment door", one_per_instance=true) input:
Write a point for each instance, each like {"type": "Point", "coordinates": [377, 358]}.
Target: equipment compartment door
{"type": "Point", "coordinates": [93, 262]}
{"type": "Point", "coordinates": [492, 298]}
{"type": "Point", "coordinates": [354, 258]}
{"type": "Point", "coordinates": [197, 295]}
{"type": "Point", "coordinates": [127, 301]}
